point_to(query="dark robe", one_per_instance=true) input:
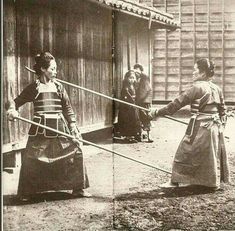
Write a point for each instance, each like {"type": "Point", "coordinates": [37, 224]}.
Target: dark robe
{"type": "Point", "coordinates": [128, 118]}
{"type": "Point", "coordinates": [144, 99]}
{"type": "Point", "coordinates": [50, 163]}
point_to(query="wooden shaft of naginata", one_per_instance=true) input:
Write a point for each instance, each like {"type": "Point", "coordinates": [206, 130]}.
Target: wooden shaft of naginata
{"type": "Point", "coordinates": [95, 92]}
{"type": "Point", "coordinates": [174, 119]}
{"type": "Point", "coordinates": [118, 100]}
{"type": "Point", "coordinates": [103, 95]}
{"type": "Point", "coordinates": [90, 143]}
{"type": "Point", "coordinates": [109, 97]}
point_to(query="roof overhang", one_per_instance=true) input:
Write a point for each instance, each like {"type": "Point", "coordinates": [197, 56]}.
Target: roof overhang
{"type": "Point", "coordinates": [155, 17]}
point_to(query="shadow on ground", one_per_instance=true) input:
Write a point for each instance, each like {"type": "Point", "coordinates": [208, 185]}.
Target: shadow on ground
{"type": "Point", "coordinates": [166, 193]}
{"type": "Point", "coordinates": [46, 197]}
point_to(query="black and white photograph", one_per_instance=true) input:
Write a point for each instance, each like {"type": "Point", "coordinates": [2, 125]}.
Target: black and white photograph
{"type": "Point", "coordinates": [118, 115]}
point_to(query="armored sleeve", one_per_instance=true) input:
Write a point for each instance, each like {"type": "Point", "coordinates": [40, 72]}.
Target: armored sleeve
{"type": "Point", "coordinates": [184, 99]}
{"type": "Point", "coordinates": [66, 107]}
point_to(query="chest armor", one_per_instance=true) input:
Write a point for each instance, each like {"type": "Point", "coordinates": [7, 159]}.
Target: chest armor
{"type": "Point", "coordinates": [47, 99]}
{"type": "Point", "coordinates": [48, 112]}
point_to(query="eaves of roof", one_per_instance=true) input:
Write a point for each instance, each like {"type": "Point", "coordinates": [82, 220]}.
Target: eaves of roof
{"type": "Point", "coordinates": [162, 19]}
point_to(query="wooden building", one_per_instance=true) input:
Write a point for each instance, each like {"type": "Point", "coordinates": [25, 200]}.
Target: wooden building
{"type": "Point", "coordinates": [94, 42]}
{"type": "Point", "coordinates": [207, 31]}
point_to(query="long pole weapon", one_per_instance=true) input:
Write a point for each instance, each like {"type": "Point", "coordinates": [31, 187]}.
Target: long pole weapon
{"type": "Point", "coordinates": [109, 97]}
{"type": "Point", "coordinates": [117, 100]}
{"type": "Point", "coordinates": [114, 99]}
{"type": "Point", "coordinates": [90, 143]}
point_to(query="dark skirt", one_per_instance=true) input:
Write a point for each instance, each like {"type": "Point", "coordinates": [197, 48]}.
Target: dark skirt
{"type": "Point", "coordinates": [128, 121]}
{"type": "Point", "coordinates": [50, 164]}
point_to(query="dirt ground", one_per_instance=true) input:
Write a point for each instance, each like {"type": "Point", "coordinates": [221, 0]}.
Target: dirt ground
{"type": "Point", "coordinates": [127, 196]}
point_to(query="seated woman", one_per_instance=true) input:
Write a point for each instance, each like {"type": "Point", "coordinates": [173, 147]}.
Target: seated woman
{"type": "Point", "coordinates": [128, 118]}
{"type": "Point", "coordinates": [201, 157]}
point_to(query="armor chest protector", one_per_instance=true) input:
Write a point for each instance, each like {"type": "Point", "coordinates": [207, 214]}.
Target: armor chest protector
{"type": "Point", "coordinates": [48, 111]}
{"type": "Point", "coordinates": [47, 99]}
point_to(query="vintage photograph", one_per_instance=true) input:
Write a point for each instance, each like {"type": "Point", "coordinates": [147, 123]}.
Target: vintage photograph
{"type": "Point", "coordinates": [118, 115]}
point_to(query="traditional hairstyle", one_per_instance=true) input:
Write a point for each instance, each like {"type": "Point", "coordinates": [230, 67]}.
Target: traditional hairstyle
{"type": "Point", "coordinates": [125, 82]}
{"type": "Point", "coordinates": [42, 60]}
{"type": "Point", "coordinates": [207, 66]}
{"type": "Point", "coordinates": [137, 65]}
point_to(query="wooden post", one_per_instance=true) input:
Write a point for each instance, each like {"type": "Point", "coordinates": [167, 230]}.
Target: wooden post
{"type": "Point", "coordinates": [208, 28]}
{"type": "Point", "coordinates": [82, 79]}
{"type": "Point", "coordinates": [128, 50]}
{"type": "Point", "coordinates": [17, 152]}
{"type": "Point", "coordinates": [136, 47]}
{"type": "Point", "coordinates": [180, 47]}
{"type": "Point", "coordinates": [150, 47]}
{"type": "Point", "coordinates": [166, 58]}
{"type": "Point", "coordinates": [223, 55]}
{"type": "Point", "coordinates": [194, 31]}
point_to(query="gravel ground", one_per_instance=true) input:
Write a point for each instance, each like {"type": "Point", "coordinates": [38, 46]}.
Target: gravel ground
{"type": "Point", "coordinates": [126, 195]}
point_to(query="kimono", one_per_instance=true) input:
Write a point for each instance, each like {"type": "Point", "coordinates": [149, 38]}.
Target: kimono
{"type": "Point", "coordinates": [144, 99]}
{"type": "Point", "coordinates": [128, 118]}
{"type": "Point", "coordinates": [50, 161]}
{"type": "Point", "coordinates": [201, 157]}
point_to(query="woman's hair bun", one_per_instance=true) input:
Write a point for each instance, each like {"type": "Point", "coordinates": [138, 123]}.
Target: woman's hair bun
{"type": "Point", "coordinates": [212, 65]}
{"type": "Point", "coordinates": [211, 68]}
{"type": "Point", "coordinates": [42, 60]}
{"type": "Point", "coordinates": [207, 66]}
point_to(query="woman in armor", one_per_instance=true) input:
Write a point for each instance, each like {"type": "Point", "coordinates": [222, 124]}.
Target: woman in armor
{"type": "Point", "coordinates": [201, 157]}
{"type": "Point", "coordinates": [49, 161]}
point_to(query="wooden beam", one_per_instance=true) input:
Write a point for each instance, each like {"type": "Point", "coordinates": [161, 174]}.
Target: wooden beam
{"type": "Point", "coordinates": [128, 50]}
{"type": "Point", "coordinates": [208, 28]}
{"type": "Point", "coordinates": [150, 48]}
{"type": "Point", "coordinates": [136, 47]}
{"type": "Point", "coordinates": [223, 61]}
{"type": "Point", "coordinates": [180, 47]}
{"type": "Point", "coordinates": [194, 31]}
{"type": "Point", "coordinates": [166, 58]}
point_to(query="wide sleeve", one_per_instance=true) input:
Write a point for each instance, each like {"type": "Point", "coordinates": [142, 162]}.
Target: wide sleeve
{"type": "Point", "coordinates": [145, 90]}
{"type": "Point", "coordinates": [184, 99]}
{"type": "Point", "coordinates": [27, 95]}
{"type": "Point", "coordinates": [66, 107]}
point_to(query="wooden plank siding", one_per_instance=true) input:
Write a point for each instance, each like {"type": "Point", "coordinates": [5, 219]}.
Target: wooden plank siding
{"type": "Point", "coordinates": [82, 35]}
{"type": "Point", "coordinates": [131, 46]}
{"type": "Point", "coordinates": [79, 35]}
{"type": "Point", "coordinates": [207, 31]}
{"type": "Point", "coordinates": [10, 84]}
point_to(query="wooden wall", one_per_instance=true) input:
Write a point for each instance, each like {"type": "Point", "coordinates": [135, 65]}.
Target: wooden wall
{"type": "Point", "coordinates": [207, 31]}
{"type": "Point", "coordinates": [79, 35]}
{"type": "Point", "coordinates": [132, 45]}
